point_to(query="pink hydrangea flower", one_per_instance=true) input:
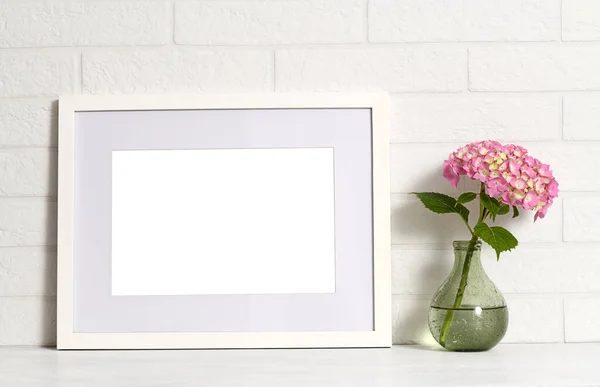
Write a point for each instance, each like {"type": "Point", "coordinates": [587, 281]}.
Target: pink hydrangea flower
{"type": "Point", "coordinates": [508, 172]}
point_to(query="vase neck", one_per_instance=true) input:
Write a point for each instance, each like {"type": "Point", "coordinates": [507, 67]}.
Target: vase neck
{"type": "Point", "coordinates": [461, 249]}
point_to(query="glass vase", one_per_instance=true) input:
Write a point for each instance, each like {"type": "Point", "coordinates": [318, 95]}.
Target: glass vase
{"type": "Point", "coordinates": [468, 312]}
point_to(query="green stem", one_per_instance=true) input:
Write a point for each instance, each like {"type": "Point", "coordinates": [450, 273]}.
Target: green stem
{"type": "Point", "coordinates": [469, 227]}
{"type": "Point", "coordinates": [460, 293]}
{"type": "Point", "coordinates": [481, 207]}
{"type": "Point", "coordinates": [464, 275]}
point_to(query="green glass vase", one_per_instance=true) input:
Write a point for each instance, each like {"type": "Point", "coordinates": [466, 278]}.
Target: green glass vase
{"type": "Point", "coordinates": [468, 312]}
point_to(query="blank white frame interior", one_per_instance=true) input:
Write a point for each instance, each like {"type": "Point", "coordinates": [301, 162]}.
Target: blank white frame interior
{"type": "Point", "coordinates": [186, 246]}
{"type": "Point", "coordinates": [141, 178]}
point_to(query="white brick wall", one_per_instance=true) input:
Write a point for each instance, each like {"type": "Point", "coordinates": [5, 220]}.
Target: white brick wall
{"type": "Point", "coordinates": [84, 24]}
{"type": "Point", "coordinates": [581, 20]}
{"type": "Point", "coordinates": [553, 67]}
{"type": "Point", "coordinates": [460, 118]}
{"type": "Point", "coordinates": [28, 123]}
{"type": "Point", "coordinates": [516, 70]}
{"type": "Point", "coordinates": [582, 215]}
{"type": "Point", "coordinates": [393, 70]}
{"type": "Point", "coordinates": [467, 20]}
{"type": "Point", "coordinates": [581, 117]}
{"type": "Point", "coordinates": [270, 22]}
{"type": "Point", "coordinates": [27, 222]}
{"type": "Point", "coordinates": [176, 70]}
{"type": "Point", "coordinates": [28, 172]}
{"type": "Point", "coordinates": [27, 271]}
{"type": "Point", "coordinates": [44, 73]}
{"type": "Point", "coordinates": [582, 316]}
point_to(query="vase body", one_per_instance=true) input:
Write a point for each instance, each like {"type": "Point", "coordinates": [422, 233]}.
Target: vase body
{"type": "Point", "coordinates": [480, 320]}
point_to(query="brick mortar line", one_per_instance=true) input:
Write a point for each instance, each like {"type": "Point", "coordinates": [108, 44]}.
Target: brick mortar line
{"type": "Point", "coordinates": [316, 46]}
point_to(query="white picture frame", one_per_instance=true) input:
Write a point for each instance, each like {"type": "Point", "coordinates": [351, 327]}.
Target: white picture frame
{"type": "Point", "coordinates": [69, 336]}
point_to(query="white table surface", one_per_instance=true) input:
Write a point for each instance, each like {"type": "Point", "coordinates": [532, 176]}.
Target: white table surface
{"type": "Point", "coordinates": [507, 365]}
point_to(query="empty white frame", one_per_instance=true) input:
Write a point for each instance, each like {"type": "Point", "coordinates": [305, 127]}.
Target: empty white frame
{"type": "Point", "coordinates": [223, 221]}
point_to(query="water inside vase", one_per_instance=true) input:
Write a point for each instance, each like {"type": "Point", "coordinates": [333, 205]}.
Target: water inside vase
{"type": "Point", "coordinates": [473, 328]}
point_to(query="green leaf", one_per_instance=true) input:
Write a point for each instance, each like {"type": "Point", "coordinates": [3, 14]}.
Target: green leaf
{"type": "Point", "coordinates": [491, 204]}
{"type": "Point", "coordinates": [504, 209]}
{"type": "Point", "coordinates": [463, 212]}
{"type": "Point", "coordinates": [515, 212]}
{"type": "Point", "coordinates": [499, 238]}
{"type": "Point", "coordinates": [442, 204]}
{"type": "Point", "coordinates": [437, 202]}
{"type": "Point", "coordinates": [466, 197]}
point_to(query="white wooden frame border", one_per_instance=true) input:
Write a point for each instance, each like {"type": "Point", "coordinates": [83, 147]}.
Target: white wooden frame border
{"type": "Point", "coordinates": [381, 336]}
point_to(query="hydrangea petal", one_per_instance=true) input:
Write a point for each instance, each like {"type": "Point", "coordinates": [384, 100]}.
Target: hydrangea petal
{"type": "Point", "coordinates": [450, 174]}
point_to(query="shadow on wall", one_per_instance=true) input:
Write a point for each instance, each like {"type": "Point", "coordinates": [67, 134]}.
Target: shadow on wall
{"type": "Point", "coordinates": [48, 312]}
{"type": "Point", "coordinates": [412, 223]}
